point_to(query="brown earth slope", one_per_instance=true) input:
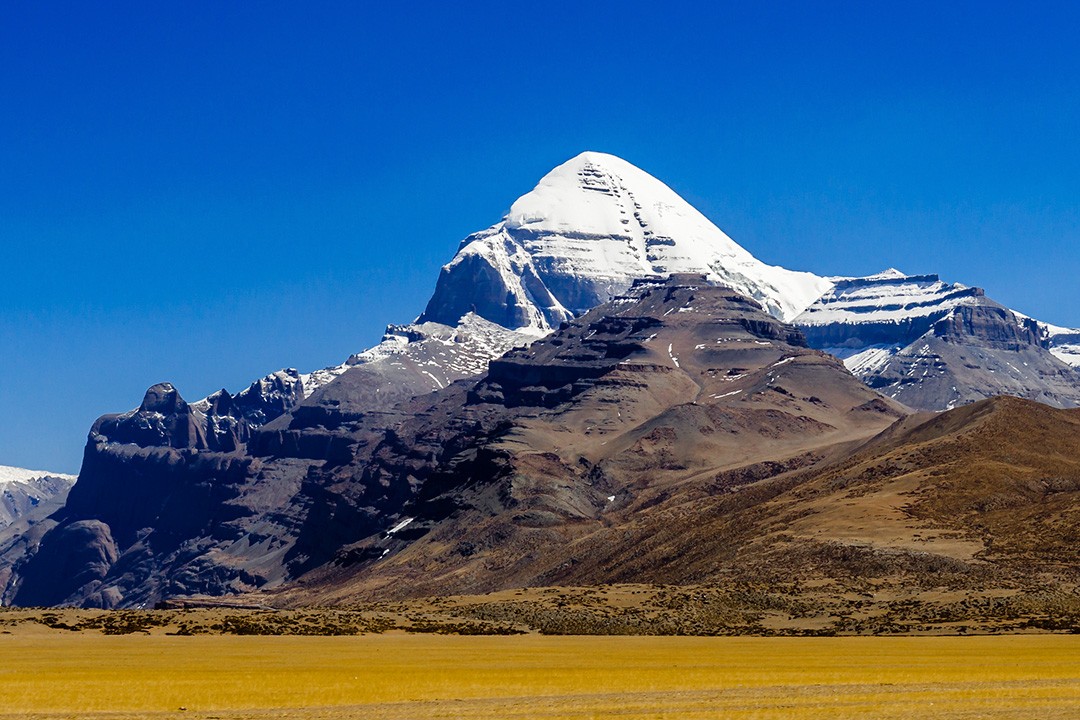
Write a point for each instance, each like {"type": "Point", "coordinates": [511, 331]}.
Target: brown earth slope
{"type": "Point", "coordinates": [994, 485]}
{"type": "Point", "coordinates": [980, 502]}
{"type": "Point", "coordinates": [627, 447]}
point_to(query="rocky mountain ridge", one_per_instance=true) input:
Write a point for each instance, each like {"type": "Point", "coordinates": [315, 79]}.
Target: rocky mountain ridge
{"type": "Point", "coordinates": [934, 346]}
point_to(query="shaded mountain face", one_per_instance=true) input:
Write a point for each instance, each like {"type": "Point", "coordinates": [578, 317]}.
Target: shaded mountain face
{"type": "Point", "coordinates": [573, 441]}
{"type": "Point", "coordinates": [210, 497]}
{"type": "Point", "coordinates": [935, 346]}
{"type": "Point", "coordinates": [411, 360]}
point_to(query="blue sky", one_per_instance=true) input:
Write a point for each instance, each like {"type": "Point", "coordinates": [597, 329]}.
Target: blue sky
{"type": "Point", "coordinates": [205, 192]}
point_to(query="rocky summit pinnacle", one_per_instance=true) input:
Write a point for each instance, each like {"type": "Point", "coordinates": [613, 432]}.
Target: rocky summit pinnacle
{"type": "Point", "coordinates": [582, 236]}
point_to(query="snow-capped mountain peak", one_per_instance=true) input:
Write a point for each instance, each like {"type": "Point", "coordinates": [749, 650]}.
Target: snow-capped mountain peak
{"type": "Point", "coordinates": [24, 492]}
{"type": "Point", "coordinates": [887, 274]}
{"type": "Point", "coordinates": [1064, 343]}
{"type": "Point", "coordinates": [582, 236]}
{"type": "Point", "coordinates": [886, 297]}
{"type": "Point", "coordinates": [433, 355]}
{"type": "Point", "coordinates": [600, 195]}
{"type": "Point", "coordinates": [10, 474]}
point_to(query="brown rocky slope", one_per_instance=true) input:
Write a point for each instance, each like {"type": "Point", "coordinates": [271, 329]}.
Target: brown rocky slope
{"type": "Point", "coordinates": [630, 446]}
{"type": "Point", "coordinates": [965, 520]}
{"type": "Point", "coordinates": [982, 498]}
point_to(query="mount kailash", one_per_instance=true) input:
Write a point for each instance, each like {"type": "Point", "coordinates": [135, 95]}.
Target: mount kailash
{"type": "Point", "coordinates": [300, 471]}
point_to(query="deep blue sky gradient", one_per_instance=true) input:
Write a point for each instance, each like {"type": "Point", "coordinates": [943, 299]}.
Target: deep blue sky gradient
{"type": "Point", "coordinates": [205, 192]}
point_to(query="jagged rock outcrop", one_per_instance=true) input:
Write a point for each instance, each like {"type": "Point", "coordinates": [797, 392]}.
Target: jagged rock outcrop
{"type": "Point", "coordinates": [218, 423]}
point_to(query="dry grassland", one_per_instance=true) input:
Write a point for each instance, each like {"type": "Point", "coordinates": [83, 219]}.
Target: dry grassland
{"type": "Point", "coordinates": [82, 675]}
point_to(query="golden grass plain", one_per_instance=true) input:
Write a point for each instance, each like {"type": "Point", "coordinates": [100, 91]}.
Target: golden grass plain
{"type": "Point", "coordinates": [51, 675]}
